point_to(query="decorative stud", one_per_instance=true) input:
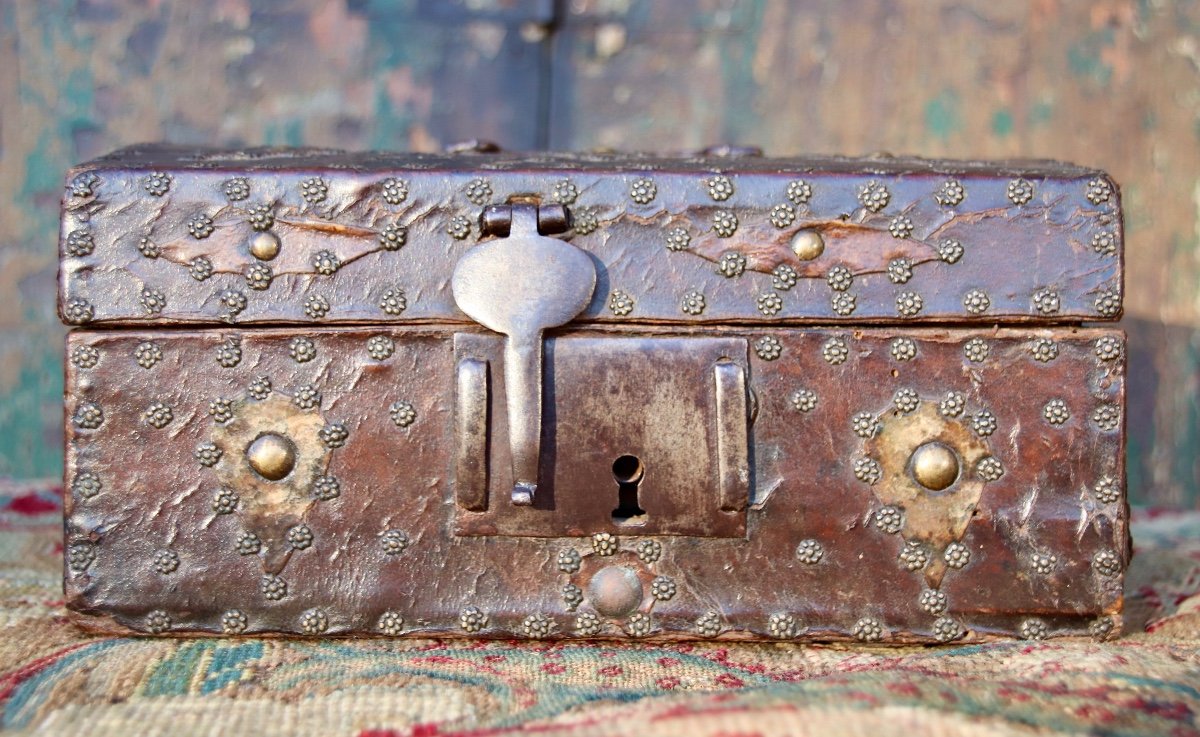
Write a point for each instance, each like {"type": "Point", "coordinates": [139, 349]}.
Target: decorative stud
{"type": "Point", "coordinates": [947, 630]}
{"type": "Point", "coordinates": [639, 625]}
{"type": "Point", "coordinates": [908, 304]}
{"type": "Point", "coordinates": [326, 488]}
{"type": "Point", "coordinates": [158, 622]}
{"type": "Point", "coordinates": [1104, 242]}
{"type": "Point", "coordinates": [158, 183]}
{"type": "Point", "coordinates": [782, 626]}
{"type": "Point", "coordinates": [950, 250]}
{"type": "Point", "coordinates": [1056, 412]}
{"type": "Point", "coordinates": [394, 236]}
{"type": "Point", "coordinates": [307, 397]}
{"type": "Point", "coordinates": [899, 270]}
{"type": "Point", "coordinates": [208, 454]}
{"type": "Point", "coordinates": [588, 625]}
{"type": "Point", "coordinates": [708, 624]}
{"type": "Point", "coordinates": [839, 278]}
{"type": "Point", "coordinates": [649, 551]}
{"type": "Point", "coordinates": [261, 217]}
{"type": "Point", "coordinates": [271, 455]}
{"type": "Point", "coordinates": [1108, 348]}
{"type": "Point", "coordinates": [200, 226]}
{"type": "Point", "coordinates": [900, 226]}
{"type": "Point", "coordinates": [265, 246]}
{"type": "Point", "coordinates": [80, 243]}
{"type": "Point", "coordinates": [843, 303]}
{"type": "Point", "coordinates": [572, 596]}
{"type": "Point", "coordinates": [248, 544]}
{"type": "Point", "coordinates": [334, 435]}
{"type": "Point", "coordinates": [678, 239]}
{"type": "Point", "coordinates": [478, 191]}
{"type": "Point", "coordinates": [152, 300]}
{"type": "Point", "coordinates": [459, 227]}
{"type": "Point", "coordinates": [233, 301]}
{"type": "Point", "coordinates": [957, 555]}
{"type": "Point", "coordinates": [1106, 491]}
{"type": "Point", "coordinates": [783, 215]}
{"type": "Point", "coordinates": [1043, 563]}
{"type": "Point", "coordinates": [720, 187]}
{"type": "Point", "coordinates": [934, 466]}
{"type": "Point", "coordinates": [933, 601]}
{"type": "Point", "coordinates": [799, 191]}
{"type": "Point", "coordinates": [314, 622]}
{"type": "Point", "coordinates": [569, 560]}
{"type": "Point", "coordinates": [768, 348]}
{"type": "Point", "coordinates": [865, 425]}
{"type": "Point", "coordinates": [914, 556]}
{"type": "Point", "coordinates": [225, 502]}
{"type": "Point", "coordinates": [78, 311]}
{"type": "Point", "coordinates": [159, 414]}
{"type": "Point", "coordinates": [380, 347]}
{"type": "Point", "coordinates": [1098, 191]}
{"type": "Point", "coordinates": [976, 350]}
{"type": "Point", "coordinates": [84, 184]}
{"type": "Point", "coordinates": [394, 542]}
{"type": "Point", "coordinates": [990, 469]}
{"type": "Point", "coordinates": [316, 306]}
{"type": "Point", "coordinates": [662, 588]}
{"type": "Point", "coordinates": [904, 349]}
{"type": "Point", "coordinates": [234, 622]}
{"type": "Point", "coordinates": [783, 277]}
{"type": "Point", "coordinates": [472, 619]}
{"type": "Point", "coordinates": [147, 354]}
{"type": "Point", "coordinates": [394, 302]}
{"type": "Point", "coordinates": [86, 485]}
{"type": "Point", "coordinates": [166, 561]}
{"type": "Point", "coordinates": [390, 623]}
{"type": "Point", "coordinates": [302, 350]}
{"type": "Point", "coordinates": [810, 552]}
{"type": "Point", "coordinates": [950, 193]}
{"type": "Point", "coordinates": [395, 191]}
{"type": "Point", "coordinates": [1020, 191]}
{"type": "Point", "coordinates": [889, 520]}
{"type": "Point", "coordinates": [1101, 628]}
{"type": "Point", "coordinates": [260, 388]}
{"type": "Point", "coordinates": [236, 189]}
{"type": "Point", "coordinates": [868, 629]}
{"type": "Point", "coordinates": [770, 303]}
{"type": "Point", "coordinates": [326, 262]}
{"type": "Point", "coordinates": [1108, 303]}
{"type": "Point", "coordinates": [537, 626]}
{"type": "Point", "coordinates": [88, 416]}
{"type": "Point", "coordinates": [229, 353]}
{"type": "Point", "coordinates": [403, 413]}
{"type": "Point", "coordinates": [808, 244]}
{"type": "Point", "coordinates": [643, 191]}
{"type": "Point", "coordinates": [604, 543]}
{"type": "Point", "coordinates": [804, 400]}
{"type": "Point", "coordinates": [85, 356]}
{"type": "Point", "coordinates": [585, 220]}
{"type": "Point", "coordinates": [693, 302]}
{"type": "Point", "coordinates": [725, 223]}
{"type": "Point", "coordinates": [259, 276]}
{"type": "Point", "coordinates": [1033, 629]}
{"type": "Point", "coordinates": [976, 302]}
{"type": "Point", "coordinates": [620, 303]}
{"type": "Point", "coordinates": [1044, 350]}
{"type": "Point", "coordinates": [1107, 417]}
{"type": "Point", "coordinates": [273, 587]}
{"type": "Point", "coordinates": [1046, 301]}
{"type": "Point", "coordinates": [835, 351]}
{"type": "Point", "coordinates": [314, 190]}
{"type": "Point", "coordinates": [983, 423]}
{"type": "Point", "coordinates": [300, 537]}
{"type": "Point", "coordinates": [80, 555]}
{"type": "Point", "coordinates": [874, 195]}
{"type": "Point", "coordinates": [565, 192]}
{"type": "Point", "coordinates": [867, 471]}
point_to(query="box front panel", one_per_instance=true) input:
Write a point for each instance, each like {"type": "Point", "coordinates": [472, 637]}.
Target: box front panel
{"type": "Point", "coordinates": [916, 485]}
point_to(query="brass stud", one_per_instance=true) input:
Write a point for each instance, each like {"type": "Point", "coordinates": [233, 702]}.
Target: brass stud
{"type": "Point", "coordinates": [273, 456]}
{"type": "Point", "coordinates": [264, 246]}
{"type": "Point", "coordinates": [615, 591]}
{"type": "Point", "coordinates": [934, 466]}
{"type": "Point", "coordinates": [807, 245]}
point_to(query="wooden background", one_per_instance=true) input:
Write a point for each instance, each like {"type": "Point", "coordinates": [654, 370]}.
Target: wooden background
{"type": "Point", "coordinates": [1110, 83]}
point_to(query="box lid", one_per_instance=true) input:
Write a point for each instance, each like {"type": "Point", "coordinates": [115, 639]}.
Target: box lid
{"type": "Point", "coordinates": [157, 235]}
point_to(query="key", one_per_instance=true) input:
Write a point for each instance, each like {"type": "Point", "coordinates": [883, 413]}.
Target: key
{"type": "Point", "coordinates": [520, 286]}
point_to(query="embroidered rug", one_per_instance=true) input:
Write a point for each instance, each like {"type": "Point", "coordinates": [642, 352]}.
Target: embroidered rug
{"type": "Point", "coordinates": [57, 680]}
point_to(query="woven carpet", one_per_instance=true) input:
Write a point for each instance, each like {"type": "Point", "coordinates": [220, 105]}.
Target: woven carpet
{"type": "Point", "coordinates": [57, 680]}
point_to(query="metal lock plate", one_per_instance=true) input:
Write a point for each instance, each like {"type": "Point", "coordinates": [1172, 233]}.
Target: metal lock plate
{"type": "Point", "coordinates": [656, 424]}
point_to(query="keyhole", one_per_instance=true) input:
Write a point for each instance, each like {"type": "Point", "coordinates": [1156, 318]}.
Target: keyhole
{"type": "Point", "coordinates": [628, 472]}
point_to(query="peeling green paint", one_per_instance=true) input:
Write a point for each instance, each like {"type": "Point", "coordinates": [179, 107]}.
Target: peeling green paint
{"type": "Point", "coordinates": [1002, 123]}
{"type": "Point", "coordinates": [941, 115]}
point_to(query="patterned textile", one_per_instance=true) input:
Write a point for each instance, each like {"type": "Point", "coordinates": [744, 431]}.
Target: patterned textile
{"type": "Point", "coordinates": [57, 680]}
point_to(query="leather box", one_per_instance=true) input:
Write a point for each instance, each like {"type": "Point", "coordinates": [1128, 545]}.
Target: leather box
{"type": "Point", "coordinates": [592, 395]}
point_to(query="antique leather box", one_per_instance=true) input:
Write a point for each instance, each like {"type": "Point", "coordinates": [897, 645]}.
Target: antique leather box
{"type": "Point", "coordinates": [592, 395]}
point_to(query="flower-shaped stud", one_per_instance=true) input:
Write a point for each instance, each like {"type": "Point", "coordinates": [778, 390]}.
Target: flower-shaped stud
{"type": "Point", "coordinates": [889, 520]}
{"type": "Point", "coordinates": [478, 191]}
{"type": "Point", "coordinates": [725, 223]}
{"type": "Point", "coordinates": [1098, 191]}
{"type": "Point", "coordinates": [394, 542]}
{"type": "Point", "coordinates": [693, 302]}
{"type": "Point", "coordinates": [867, 470]}
{"type": "Point", "coordinates": [158, 183]}
{"type": "Point", "coordinates": [950, 193]}
{"type": "Point", "coordinates": [768, 348]}
{"type": "Point", "coordinates": [810, 552]}
{"type": "Point", "coordinates": [643, 191]}
{"type": "Point", "coordinates": [678, 239]}
{"type": "Point", "coordinates": [953, 405]}
{"type": "Point", "coordinates": [799, 191]}
{"type": "Point", "coordinates": [783, 215]}
{"type": "Point", "coordinates": [783, 277]}
{"type": "Point", "coordinates": [395, 191]}
{"type": "Point", "coordinates": [950, 250]}
{"type": "Point", "coordinates": [990, 469]}
{"type": "Point", "coordinates": [1056, 412]}
{"type": "Point", "coordinates": [874, 195]}
{"type": "Point", "coordinates": [236, 189]}
{"type": "Point", "coordinates": [901, 226]}
{"type": "Point", "coordinates": [843, 303]}
{"type": "Point", "coordinates": [899, 270]}
{"type": "Point", "coordinates": [933, 601]}
{"type": "Point", "coordinates": [1044, 350]}
{"type": "Point", "coordinates": [325, 488]}
{"type": "Point", "coordinates": [868, 629]}
{"type": "Point", "coordinates": [835, 351]}
{"type": "Point", "coordinates": [620, 303]}
{"type": "Point", "coordinates": [904, 349]}
{"type": "Point", "coordinates": [1020, 191]}
{"type": "Point", "coordinates": [976, 301]}
{"type": "Point", "coordinates": [957, 555]}
{"type": "Point", "coordinates": [804, 400]}
{"type": "Point", "coordinates": [403, 414]}
{"type": "Point", "coordinates": [314, 190]}
{"type": "Point", "coordinates": [260, 388]}
{"type": "Point", "coordinates": [720, 187]}
{"type": "Point", "coordinates": [393, 302]}
{"type": "Point", "coordinates": [839, 278]}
